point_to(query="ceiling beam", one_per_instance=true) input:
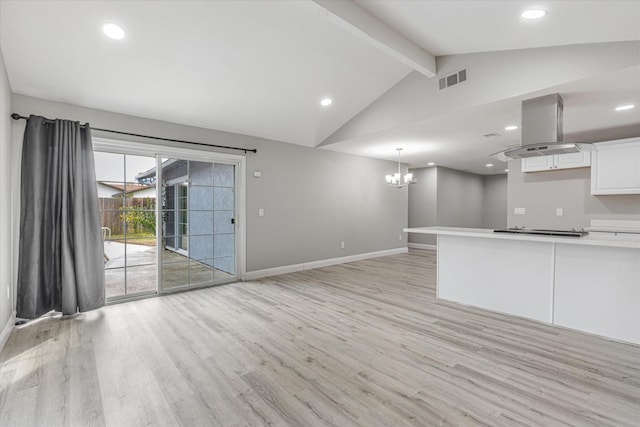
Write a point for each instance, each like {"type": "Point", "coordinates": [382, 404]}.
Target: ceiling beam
{"type": "Point", "coordinates": [363, 24]}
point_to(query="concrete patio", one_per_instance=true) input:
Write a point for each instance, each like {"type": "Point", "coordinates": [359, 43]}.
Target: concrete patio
{"type": "Point", "coordinates": [141, 272]}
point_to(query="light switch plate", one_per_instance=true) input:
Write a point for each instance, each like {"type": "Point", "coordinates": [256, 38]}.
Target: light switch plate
{"type": "Point", "coordinates": [559, 211]}
{"type": "Point", "coordinates": [257, 174]}
{"type": "Point", "coordinates": [261, 212]}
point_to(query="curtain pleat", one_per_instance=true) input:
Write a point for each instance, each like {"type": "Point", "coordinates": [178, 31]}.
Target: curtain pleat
{"type": "Point", "coordinates": [61, 264]}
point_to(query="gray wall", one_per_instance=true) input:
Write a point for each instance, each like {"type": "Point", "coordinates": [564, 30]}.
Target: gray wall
{"type": "Point", "coordinates": [449, 197]}
{"type": "Point", "coordinates": [313, 199]}
{"type": "Point", "coordinates": [494, 201]}
{"type": "Point", "coordinates": [459, 198]}
{"type": "Point", "coordinates": [423, 203]}
{"type": "Point", "coordinates": [6, 248]}
{"type": "Point", "coordinates": [540, 193]}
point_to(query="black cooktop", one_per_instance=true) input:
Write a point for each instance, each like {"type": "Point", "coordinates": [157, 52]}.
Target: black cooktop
{"type": "Point", "coordinates": [565, 233]}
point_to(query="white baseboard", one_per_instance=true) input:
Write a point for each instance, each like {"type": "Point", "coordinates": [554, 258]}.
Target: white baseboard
{"type": "Point", "coordinates": [6, 330]}
{"type": "Point", "coordinates": [423, 246]}
{"type": "Point", "coordinates": [259, 274]}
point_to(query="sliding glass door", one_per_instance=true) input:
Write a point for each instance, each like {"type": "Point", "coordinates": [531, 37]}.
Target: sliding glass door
{"type": "Point", "coordinates": [198, 210]}
{"type": "Point", "coordinates": [180, 236]}
{"type": "Point", "coordinates": [128, 215]}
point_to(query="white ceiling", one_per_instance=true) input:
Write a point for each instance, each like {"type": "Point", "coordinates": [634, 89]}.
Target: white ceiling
{"type": "Point", "coordinates": [257, 67]}
{"type": "Point", "coordinates": [261, 67]}
{"type": "Point", "coordinates": [458, 141]}
{"type": "Point", "coordinates": [450, 27]}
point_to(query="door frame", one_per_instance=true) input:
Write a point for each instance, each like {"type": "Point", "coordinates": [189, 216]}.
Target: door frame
{"type": "Point", "coordinates": [176, 225]}
{"type": "Point", "coordinates": [118, 146]}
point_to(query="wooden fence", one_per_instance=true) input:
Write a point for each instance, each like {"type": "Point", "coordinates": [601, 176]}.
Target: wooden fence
{"type": "Point", "coordinates": [113, 210]}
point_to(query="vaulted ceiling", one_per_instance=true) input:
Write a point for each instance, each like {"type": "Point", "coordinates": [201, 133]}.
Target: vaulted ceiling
{"type": "Point", "coordinates": [261, 68]}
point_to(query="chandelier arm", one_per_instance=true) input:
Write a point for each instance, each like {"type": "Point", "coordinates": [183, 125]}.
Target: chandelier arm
{"type": "Point", "coordinates": [397, 180]}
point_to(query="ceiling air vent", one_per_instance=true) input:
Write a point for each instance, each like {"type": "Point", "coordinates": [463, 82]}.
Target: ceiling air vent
{"type": "Point", "coordinates": [452, 79]}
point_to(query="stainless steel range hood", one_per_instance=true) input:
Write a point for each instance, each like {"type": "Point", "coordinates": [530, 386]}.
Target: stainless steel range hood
{"type": "Point", "coordinates": [541, 130]}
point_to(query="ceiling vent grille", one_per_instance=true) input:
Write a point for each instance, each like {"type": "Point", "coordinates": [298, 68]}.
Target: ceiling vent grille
{"type": "Point", "coordinates": [452, 79]}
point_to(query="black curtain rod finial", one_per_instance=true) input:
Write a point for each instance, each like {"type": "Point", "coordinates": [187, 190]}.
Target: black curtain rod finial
{"type": "Point", "coordinates": [16, 116]}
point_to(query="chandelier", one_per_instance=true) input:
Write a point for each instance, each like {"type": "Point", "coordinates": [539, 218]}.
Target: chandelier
{"type": "Point", "coordinates": [395, 179]}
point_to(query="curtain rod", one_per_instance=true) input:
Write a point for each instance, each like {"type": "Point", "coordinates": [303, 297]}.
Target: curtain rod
{"type": "Point", "coordinates": [16, 116]}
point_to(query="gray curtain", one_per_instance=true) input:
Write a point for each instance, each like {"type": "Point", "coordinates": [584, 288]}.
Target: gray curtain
{"type": "Point", "coordinates": [61, 264]}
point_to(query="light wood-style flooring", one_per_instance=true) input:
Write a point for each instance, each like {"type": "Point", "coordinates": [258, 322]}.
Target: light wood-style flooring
{"type": "Point", "coordinates": [364, 344]}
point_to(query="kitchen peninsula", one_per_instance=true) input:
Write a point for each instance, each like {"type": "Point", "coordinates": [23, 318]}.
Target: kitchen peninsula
{"type": "Point", "coordinates": [589, 283]}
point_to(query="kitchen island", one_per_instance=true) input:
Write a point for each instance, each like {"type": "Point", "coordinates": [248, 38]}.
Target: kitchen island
{"type": "Point", "coordinates": [589, 283]}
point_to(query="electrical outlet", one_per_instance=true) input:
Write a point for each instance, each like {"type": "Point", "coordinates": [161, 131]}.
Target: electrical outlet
{"type": "Point", "coordinates": [342, 245]}
{"type": "Point", "coordinates": [559, 211]}
{"type": "Point", "coordinates": [519, 211]}
{"type": "Point", "coordinates": [261, 212]}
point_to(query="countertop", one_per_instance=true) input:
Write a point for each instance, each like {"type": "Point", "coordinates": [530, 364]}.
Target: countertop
{"type": "Point", "coordinates": [631, 241]}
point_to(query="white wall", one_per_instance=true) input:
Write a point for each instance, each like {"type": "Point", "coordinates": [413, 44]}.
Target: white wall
{"type": "Point", "coordinates": [312, 199]}
{"type": "Point", "coordinates": [540, 193]}
{"type": "Point", "coordinates": [6, 249]}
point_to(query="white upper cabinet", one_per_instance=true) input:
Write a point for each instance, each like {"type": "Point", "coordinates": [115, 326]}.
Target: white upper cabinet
{"type": "Point", "coordinates": [559, 161]}
{"type": "Point", "coordinates": [616, 167]}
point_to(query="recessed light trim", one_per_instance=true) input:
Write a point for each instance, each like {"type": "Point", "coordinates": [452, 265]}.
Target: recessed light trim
{"type": "Point", "coordinates": [625, 107]}
{"type": "Point", "coordinates": [326, 102]}
{"type": "Point", "coordinates": [506, 170]}
{"type": "Point", "coordinates": [512, 127]}
{"type": "Point", "coordinates": [489, 165]}
{"type": "Point", "coordinates": [533, 13]}
{"type": "Point", "coordinates": [113, 31]}
{"type": "Point", "coordinates": [431, 164]}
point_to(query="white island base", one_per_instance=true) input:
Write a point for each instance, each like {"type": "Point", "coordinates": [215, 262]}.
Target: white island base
{"type": "Point", "coordinates": [590, 283]}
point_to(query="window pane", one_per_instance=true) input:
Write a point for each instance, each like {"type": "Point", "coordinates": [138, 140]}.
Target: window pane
{"type": "Point", "coordinates": [196, 195]}
{"type": "Point", "coordinates": [141, 279]}
{"type": "Point", "coordinates": [201, 272]}
{"type": "Point", "coordinates": [140, 170]}
{"type": "Point", "coordinates": [201, 198]}
{"type": "Point", "coordinates": [225, 265]}
{"type": "Point", "coordinates": [201, 173]}
{"type": "Point", "coordinates": [114, 282]}
{"type": "Point", "coordinates": [224, 245]}
{"type": "Point", "coordinates": [201, 247]}
{"type": "Point", "coordinates": [141, 251]}
{"type": "Point", "coordinates": [223, 199]}
{"type": "Point", "coordinates": [223, 175]}
{"type": "Point", "coordinates": [175, 274]}
{"type": "Point", "coordinates": [127, 201]}
{"type": "Point", "coordinates": [201, 222]}
{"type": "Point", "coordinates": [222, 222]}
{"type": "Point", "coordinates": [109, 167]}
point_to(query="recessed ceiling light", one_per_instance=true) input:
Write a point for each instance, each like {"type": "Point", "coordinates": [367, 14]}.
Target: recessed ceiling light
{"type": "Point", "coordinates": [506, 170]}
{"type": "Point", "coordinates": [489, 165]}
{"type": "Point", "coordinates": [326, 102]}
{"type": "Point", "coordinates": [512, 127]}
{"type": "Point", "coordinates": [430, 164]}
{"type": "Point", "coordinates": [113, 31]}
{"type": "Point", "coordinates": [625, 107]}
{"type": "Point", "coordinates": [533, 13]}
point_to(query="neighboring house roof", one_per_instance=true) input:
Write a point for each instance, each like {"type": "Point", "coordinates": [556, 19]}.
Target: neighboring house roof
{"type": "Point", "coordinates": [151, 173]}
{"type": "Point", "coordinates": [126, 187]}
